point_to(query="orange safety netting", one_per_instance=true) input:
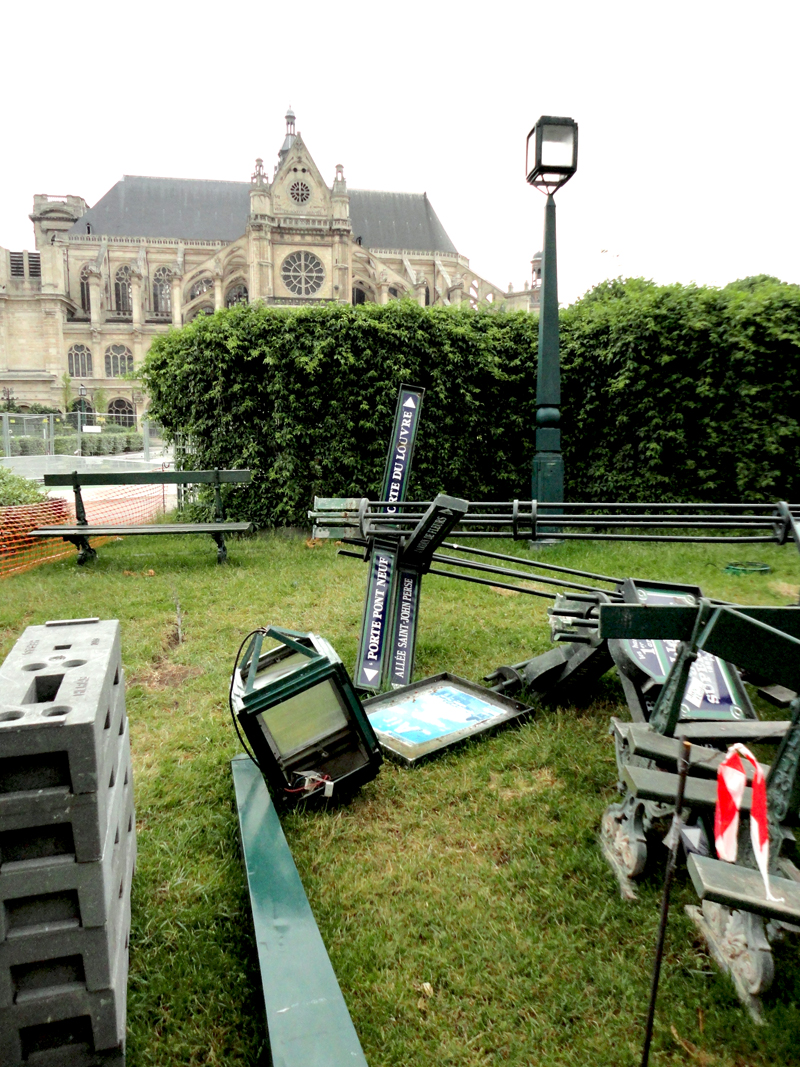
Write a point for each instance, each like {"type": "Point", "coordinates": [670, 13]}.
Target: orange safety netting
{"type": "Point", "coordinates": [128, 504]}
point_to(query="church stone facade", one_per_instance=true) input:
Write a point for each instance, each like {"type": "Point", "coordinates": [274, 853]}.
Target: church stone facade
{"type": "Point", "coordinates": [156, 252]}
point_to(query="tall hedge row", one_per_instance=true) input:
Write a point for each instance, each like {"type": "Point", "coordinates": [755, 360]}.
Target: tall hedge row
{"type": "Point", "coordinates": [669, 393]}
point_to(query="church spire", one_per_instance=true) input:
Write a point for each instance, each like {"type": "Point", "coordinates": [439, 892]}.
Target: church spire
{"type": "Point", "coordinates": [290, 136]}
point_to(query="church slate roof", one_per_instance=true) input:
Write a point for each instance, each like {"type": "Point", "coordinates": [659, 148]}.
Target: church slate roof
{"type": "Point", "coordinates": [192, 209]}
{"type": "Point", "coordinates": [180, 208]}
{"type": "Point", "coordinates": [397, 221]}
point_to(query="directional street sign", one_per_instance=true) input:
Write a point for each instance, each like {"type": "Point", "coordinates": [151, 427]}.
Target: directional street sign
{"type": "Point", "coordinates": [401, 445]}
{"type": "Point", "coordinates": [374, 625]}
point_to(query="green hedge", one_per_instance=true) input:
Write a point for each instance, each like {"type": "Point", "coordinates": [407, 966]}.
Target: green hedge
{"type": "Point", "coordinates": [682, 392]}
{"type": "Point", "coordinates": [669, 393]}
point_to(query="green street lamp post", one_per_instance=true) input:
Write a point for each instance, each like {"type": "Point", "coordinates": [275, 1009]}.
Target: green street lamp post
{"type": "Point", "coordinates": [552, 159]}
{"type": "Point", "coordinates": [81, 415]}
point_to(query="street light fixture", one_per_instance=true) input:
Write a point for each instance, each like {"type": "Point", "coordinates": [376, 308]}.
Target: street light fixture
{"type": "Point", "coordinates": [551, 160]}
{"type": "Point", "coordinates": [82, 395]}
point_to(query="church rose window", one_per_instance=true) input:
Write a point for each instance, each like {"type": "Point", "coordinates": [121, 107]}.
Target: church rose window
{"type": "Point", "coordinates": [237, 294]}
{"type": "Point", "coordinates": [202, 285]}
{"type": "Point", "coordinates": [79, 362]}
{"type": "Point", "coordinates": [122, 289]}
{"type": "Point", "coordinates": [302, 273]}
{"type": "Point", "coordinates": [299, 192]}
{"type": "Point", "coordinates": [85, 300]}
{"type": "Point", "coordinates": [162, 295]}
{"type": "Point", "coordinates": [119, 361]}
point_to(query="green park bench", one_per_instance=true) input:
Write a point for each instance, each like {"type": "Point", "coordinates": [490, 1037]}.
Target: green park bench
{"type": "Point", "coordinates": [82, 530]}
{"type": "Point", "coordinates": [734, 907]}
{"type": "Point", "coordinates": [307, 1019]}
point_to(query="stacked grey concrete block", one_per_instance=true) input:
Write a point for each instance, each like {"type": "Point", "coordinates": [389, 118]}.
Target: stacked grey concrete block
{"type": "Point", "coordinates": [67, 847]}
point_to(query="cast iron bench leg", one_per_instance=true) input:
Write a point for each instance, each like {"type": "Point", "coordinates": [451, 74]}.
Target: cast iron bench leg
{"type": "Point", "coordinates": [222, 552]}
{"type": "Point", "coordinates": [85, 550]}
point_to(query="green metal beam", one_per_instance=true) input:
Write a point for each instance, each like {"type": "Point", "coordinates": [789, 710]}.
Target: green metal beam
{"type": "Point", "coordinates": [308, 1021]}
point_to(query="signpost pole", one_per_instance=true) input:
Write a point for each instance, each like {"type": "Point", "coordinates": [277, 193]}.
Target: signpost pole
{"type": "Point", "coordinates": [372, 663]}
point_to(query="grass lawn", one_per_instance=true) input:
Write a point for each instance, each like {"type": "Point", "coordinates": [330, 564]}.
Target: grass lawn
{"type": "Point", "coordinates": [466, 906]}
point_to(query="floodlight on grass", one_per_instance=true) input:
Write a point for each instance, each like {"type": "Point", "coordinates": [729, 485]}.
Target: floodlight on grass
{"type": "Point", "coordinates": [301, 715]}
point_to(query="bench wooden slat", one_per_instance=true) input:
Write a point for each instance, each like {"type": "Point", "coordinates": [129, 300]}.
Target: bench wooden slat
{"type": "Point", "coordinates": [644, 741]}
{"type": "Point", "coordinates": [727, 733]}
{"type": "Point", "coordinates": [309, 1024]}
{"type": "Point", "coordinates": [149, 478]}
{"type": "Point", "coordinates": [742, 887]}
{"type": "Point", "coordinates": [663, 787]}
{"type": "Point", "coordinates": [154, 528]}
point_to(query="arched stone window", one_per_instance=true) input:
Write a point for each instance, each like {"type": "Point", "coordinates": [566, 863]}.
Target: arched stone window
{"type": "Point", "coordinates": [237, 294]}
{"type": "Point", "coordinates": [162, 291]}
{"type": "Point", "coordinates": [79, 362]}
{"type": "Point", "coordinates": [202, 285]}
{"type": "Point", "coordinates": [84, 278]}
{"type": "Point", "coordinates": [122, 290]}
{"type": "Point", "coordinates": [302, 273]}
{"type": "Point", "coordinates": [359, 296]}
{"type": "Point", "coordinates": [119, 361]}
{"type": "Point", "coordinates": [120, 406]}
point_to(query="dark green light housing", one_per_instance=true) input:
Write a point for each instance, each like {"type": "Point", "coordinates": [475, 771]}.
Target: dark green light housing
{"type": "Point", "coordinates": [302, 717]}
{"type": "Point", "coordinates": [552, 153]}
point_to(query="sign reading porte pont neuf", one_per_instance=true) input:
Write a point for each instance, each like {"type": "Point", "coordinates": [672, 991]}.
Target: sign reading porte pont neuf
{"type": "Point", "coordinates": [374, 626]}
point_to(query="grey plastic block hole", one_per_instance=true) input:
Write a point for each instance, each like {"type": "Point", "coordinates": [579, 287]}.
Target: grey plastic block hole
{"type": "Point", "coordinates": [31, 894]}
{"type": "Point", "coordinates": [58, 684]}
{"type": "Point", "coordinates": [55, 1019]}
{"type": "Point", "coordinates": [98, 948]}
{"type": "Point", "coordinates": [39, 823]}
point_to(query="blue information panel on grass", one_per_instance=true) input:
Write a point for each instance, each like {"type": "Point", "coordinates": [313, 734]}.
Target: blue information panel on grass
{"type": "Point", "coordinates": [419, 720]}
{"type": "Point", "coordinates": [433, 715]}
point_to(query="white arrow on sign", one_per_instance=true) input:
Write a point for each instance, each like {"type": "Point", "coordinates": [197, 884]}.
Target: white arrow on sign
{"type": "Point", "coordinates": [370, 675]}
{"type": "Point", "coordinates": [410, 403]}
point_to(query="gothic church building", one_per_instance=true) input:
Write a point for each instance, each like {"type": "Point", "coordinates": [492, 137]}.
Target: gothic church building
{"type": "Point", "coordinates": [156, 252]}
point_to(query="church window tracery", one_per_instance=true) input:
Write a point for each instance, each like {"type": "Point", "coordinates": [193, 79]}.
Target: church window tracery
{"type": "Point", "coordinates": [122, 290]}
{"type": "Point", "coordinates": [299, 192]}
{"type": "Point", "coordinates": [79, 362]}
{"type": "Point", "coordinates": [84, 279]}
{"type": "Point", "coordinates": [237, 294]}
{"type": "Point", "coordinates": [303, 273]}
{"type": "Point", "coordinates": [119, 361]}
{"type": "Point", "coordinates": [202, 285]}
{"type": "Point", "coordinates": [120, 406]}
{"type": "Point", "coordinates": [162, 291]}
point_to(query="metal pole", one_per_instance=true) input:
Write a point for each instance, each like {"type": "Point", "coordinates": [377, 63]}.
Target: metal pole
{"type": "Point", "coordinates": [683, 767]}
{"type": "Point", "coordinates": [548, 463]}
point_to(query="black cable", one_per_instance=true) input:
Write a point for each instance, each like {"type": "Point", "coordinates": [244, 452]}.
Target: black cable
{"type": "Point", "coordinates": [242, 741]}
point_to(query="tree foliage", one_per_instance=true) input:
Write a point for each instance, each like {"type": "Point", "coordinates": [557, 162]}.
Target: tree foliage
{"type": "Point", "coordinates": [669, 393]}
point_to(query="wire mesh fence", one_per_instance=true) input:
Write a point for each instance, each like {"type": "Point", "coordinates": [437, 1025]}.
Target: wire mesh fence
{"type": "Point", "coordinates": [78, 434]}
{"type": "Point", "coordinates": [118, 505]}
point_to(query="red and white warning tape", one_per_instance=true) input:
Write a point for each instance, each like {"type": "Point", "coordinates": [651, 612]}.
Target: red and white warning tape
{"type": "Point", "coordinates": [731, 781]}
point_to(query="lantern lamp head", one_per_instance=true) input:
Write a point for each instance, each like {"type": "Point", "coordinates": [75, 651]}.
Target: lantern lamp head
{"type": "Point", "coordinates": [552, 153]}
{"type": "Point", "coordinates": [301, 715]}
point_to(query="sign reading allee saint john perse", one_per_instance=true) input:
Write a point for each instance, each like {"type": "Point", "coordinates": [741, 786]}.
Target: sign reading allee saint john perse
{"type": "Point", "coordinates": [372, 648]}
{"type": "Point", "coordinates": [405, 627]}
{"type": "Point", "coordinates": [401, 445]}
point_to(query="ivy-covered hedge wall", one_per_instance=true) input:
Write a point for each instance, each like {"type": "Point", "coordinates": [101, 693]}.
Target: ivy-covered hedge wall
{"type": "Point", "coordinates": [669, 393]}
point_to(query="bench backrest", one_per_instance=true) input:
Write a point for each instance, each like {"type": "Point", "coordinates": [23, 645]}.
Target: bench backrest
{"type": "Point", "coordinates": [83, 478]}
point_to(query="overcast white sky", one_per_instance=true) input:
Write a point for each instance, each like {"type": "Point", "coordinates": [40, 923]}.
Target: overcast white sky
{"type": "Point", "coordinates": [688, 163]}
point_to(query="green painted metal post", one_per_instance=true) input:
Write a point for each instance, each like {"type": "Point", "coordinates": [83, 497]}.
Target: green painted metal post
{"type": "Point", "coordinates": [548, 463]}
